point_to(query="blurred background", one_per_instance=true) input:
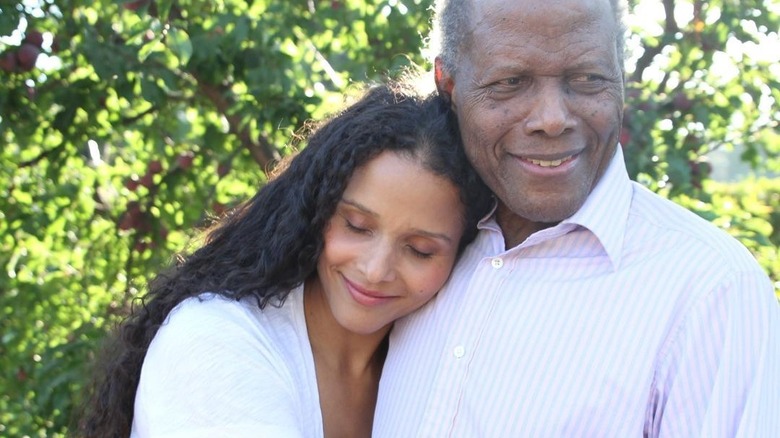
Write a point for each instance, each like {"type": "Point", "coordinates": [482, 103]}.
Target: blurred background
{"type": "Point", "coordinates": [125, 126]}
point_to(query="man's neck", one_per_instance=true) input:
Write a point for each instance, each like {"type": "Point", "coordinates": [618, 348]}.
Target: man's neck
{"type": "Point", "coordinates": [516, 228]}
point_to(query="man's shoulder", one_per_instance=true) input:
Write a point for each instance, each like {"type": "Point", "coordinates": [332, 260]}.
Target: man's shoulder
{"type": "Point", "coordinates": [654, 220]}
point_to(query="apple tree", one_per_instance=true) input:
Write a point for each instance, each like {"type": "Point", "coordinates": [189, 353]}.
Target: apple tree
{"type": "Point", "coordinates": [126, 125]}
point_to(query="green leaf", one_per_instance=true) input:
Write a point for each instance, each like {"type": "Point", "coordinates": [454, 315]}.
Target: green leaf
{"type": "Point", "coordinates": [180, 44]}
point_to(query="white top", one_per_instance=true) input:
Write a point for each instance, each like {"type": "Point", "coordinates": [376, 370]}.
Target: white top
{"type": "Point", "coordinates": [225, 368]}
{"type": "Point", "coordinates": [632, 317]}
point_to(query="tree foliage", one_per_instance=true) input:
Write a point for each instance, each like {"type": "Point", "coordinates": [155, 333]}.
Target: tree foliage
{"type": "Point", "coordinates": [124, 125]}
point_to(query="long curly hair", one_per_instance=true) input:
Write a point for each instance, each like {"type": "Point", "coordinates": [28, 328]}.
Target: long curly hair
{"type": "Point", "coordinates": [269, 245]}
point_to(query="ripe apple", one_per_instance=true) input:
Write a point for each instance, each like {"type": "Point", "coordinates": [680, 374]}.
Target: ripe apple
{"type": "Point", "coordinates": [140, 246]}
{"type": "Point", "coordinates": [184, 161]}
{"type": "Point", "coordinates": [132, 183]}
{"type": "Point", "coordinates": [34, 37]}
{"type": "Point", "coordinates": [8, 62]}
{"type": "Point", "coordinates": [155, 167]}
{"type": "Point", "coordinates": [132, 217]}
{"type": "Point", "coordinates": [27, 55]}
{"type": "Point", "coordinates": [147, 180]}
{"type": "Point", "coordinates": [625, 136]}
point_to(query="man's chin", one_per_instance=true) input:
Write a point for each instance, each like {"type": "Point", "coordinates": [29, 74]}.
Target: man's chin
{"type": "Point", "coordinates": [547, 212]}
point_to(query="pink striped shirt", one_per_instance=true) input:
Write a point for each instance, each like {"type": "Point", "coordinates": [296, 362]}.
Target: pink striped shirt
{"type": "Point", "coordinates": [633, 317]}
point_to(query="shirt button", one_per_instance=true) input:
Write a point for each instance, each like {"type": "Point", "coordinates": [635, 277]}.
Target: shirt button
{"type": "Point", "coordinates": [459, 351]}
{"type": "Point", "coordinates": [497, 263]}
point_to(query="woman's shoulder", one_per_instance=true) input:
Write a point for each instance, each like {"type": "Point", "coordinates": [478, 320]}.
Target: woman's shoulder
{"type": "Point", "coordinates": [217, 361]}
{"type": "Point", "coordinates": [217, 317]}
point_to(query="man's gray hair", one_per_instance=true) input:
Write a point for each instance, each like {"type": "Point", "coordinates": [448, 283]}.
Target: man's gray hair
{"type": "Point", "coordinates": [452, 25]}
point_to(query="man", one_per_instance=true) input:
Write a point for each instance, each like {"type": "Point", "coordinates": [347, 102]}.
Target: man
{"type": "Point", "coordinates": [587, 306]}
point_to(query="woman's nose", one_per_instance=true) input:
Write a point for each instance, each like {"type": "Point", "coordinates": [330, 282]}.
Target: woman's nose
{"type": "Point", "coordinates": [379, 264]}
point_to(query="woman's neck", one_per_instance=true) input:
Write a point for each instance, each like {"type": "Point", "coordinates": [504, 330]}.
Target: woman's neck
{"type": "Point", "coordinates": [335, 346]}
{"type": "Point", "coordinates": [348, 367]}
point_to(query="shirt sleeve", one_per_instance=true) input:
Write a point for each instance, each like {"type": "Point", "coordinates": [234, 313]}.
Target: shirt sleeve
{"type": "Point", "coordinates": [720, 376]}
{"type": "Point", "coordinates": [211, 370]}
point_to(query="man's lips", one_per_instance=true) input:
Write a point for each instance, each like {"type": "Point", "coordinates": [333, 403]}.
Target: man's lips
{"type": "Point", "coordinates": [364, 296]}
{"type": "Point", "coordinates": [549, 163]}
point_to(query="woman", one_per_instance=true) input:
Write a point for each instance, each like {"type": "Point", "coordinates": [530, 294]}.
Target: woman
{"type": "Point", "coordinates": [277, 325]}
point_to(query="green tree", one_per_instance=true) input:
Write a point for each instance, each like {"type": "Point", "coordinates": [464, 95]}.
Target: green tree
{"type": "Point", "coordinates": [124, 125]}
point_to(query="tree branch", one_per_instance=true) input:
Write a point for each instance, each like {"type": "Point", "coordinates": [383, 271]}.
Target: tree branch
{"type": "Point", "coordinates": [41, 156]}
{"type": "Point", "coordinates": [670, 28]}
{"type": "Point", "coordinates": [261, 149]}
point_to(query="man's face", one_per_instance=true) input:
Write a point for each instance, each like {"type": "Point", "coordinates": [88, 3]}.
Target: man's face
{"type": "Point", "coordinates": [539, 97]}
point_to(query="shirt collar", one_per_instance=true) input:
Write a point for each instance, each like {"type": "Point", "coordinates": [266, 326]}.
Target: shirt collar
{"type": "Point", "coordinates": [605, 211]}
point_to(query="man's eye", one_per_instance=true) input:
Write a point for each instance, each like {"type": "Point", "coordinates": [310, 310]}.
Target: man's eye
{"type": "Point", "coordinates": [511, 82]}
{"type": "Point", "coordinates": [586, 78]}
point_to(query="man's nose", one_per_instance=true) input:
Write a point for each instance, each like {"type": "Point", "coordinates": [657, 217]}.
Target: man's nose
{"type": "Point", "coordinates": [550, 114]}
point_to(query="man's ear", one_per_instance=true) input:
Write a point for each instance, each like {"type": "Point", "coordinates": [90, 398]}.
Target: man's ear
{"type": "Point", "coordinates": [444, 82]}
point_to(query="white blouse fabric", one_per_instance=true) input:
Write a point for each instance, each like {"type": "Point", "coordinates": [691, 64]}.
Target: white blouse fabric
{"type": "Point", "coordinates": [224, 368]}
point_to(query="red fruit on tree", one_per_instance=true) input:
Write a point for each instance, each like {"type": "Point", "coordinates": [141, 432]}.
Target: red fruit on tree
{"type": "Point", "coordinates": [132, 183]}
{"type": "Point", "coordinates": [184, 161]}
{"type": "Point", "coordinates": [155, 167]}
{"type": "Point", "coordinates": [140, 246]}
{"type": "Point", "coordinates": [682, 102]}
{"type": "Point", "coordinates": [147, 180]}
{"type": "Point", "coordinates": [34, 37]}
{"type": "Point", "coordinates": [8, 62]}
{"type": "Point", "coordinates": [625, 136]}
{"type": "Point", "coordinates": [27, 55]}
{"type": "Point", "coordinates": [132, 217]}
{"type": "Point", "coordinates": [126, 222]}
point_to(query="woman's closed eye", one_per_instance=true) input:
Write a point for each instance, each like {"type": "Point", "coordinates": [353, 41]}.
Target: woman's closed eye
{"type": "Point", "coordinates": [356, 228]}
{"type": "Point", "coordinates": [420, 254]}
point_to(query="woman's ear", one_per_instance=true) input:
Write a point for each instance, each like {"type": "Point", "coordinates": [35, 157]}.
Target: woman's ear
{"type": "Point", "coordinates": [444, 82]}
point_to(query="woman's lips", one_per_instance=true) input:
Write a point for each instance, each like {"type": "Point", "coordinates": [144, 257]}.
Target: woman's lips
{"type": "Point", "coordinates": [364, 296]}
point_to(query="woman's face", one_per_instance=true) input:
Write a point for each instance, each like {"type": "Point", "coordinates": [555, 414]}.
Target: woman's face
{"type": "Point", "coordinates": [391, 243]}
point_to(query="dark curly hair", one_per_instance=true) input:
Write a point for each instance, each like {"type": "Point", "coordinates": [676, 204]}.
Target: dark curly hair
{"type": "Point", "coordinates": [270, 244]}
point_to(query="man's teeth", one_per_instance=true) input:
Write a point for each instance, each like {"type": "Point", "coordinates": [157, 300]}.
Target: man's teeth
{"type": "Point", "coordinates": [553, 163]}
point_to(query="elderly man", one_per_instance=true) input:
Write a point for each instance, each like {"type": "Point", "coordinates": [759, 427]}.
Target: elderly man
{"type": "Point", "coordinates": [587, 306]}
